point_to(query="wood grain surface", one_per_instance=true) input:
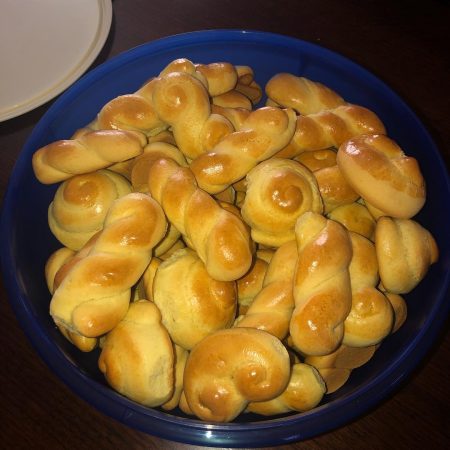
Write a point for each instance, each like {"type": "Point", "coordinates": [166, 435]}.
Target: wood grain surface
{"type": "Point", "coordinates": [403, 43]}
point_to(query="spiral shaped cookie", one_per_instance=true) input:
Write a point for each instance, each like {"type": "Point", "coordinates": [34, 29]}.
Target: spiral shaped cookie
{"type": "Point", "coordinates": [81, 203]}
{"type": "Point", "coordinates": [265, 131]}
{"type": "Point", "coordinates": [322, 290]}
{"type": "Point", "coordinates": [278, 192]}
{"type": "Point", "coordinates": [232, 367]}
{"type": "Point", "coordinates": [183, 102]}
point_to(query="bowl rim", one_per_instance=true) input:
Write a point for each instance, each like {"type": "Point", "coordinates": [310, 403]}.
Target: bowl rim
{"type": "Point", "coordinates": [193, 431]}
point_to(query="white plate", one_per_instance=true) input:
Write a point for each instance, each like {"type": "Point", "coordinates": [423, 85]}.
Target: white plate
{"type": "Point", "coordinates": [46, 45]}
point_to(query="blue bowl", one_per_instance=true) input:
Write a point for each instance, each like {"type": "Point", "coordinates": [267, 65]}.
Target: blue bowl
{"type": "Point", "coordinates": [26, 242]}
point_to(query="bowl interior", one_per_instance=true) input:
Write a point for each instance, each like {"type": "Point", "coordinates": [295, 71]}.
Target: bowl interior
{"type": "Point", "coordinates": [26, 241]}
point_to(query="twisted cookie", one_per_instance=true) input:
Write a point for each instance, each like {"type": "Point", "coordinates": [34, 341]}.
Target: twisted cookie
{"type": "Point", "coordinates": [220, 237]}
{"type": "Point", "coordinates": [272, 307]}
{"type": "Point", "coordinates": [95, 290]}
{"type": "Point", "coordinates": [371, 318]}
{"type": "Point", "coordinates": [322, 290]}
{"type": "Point", "coordinates": [264, 132]}
{"type": "Point", "coordinates": [301, 94]}
{"type": "Point", "coordinates": [405, 251]}
{"type": "Point", "coordinates": [380, 172]}
{"type": "Point", "coordinates": [94, 150]}
{"type": "Point", "coordinates": [331, 128]}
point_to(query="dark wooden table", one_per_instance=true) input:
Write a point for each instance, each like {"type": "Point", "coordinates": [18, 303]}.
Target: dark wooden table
{"type": "Point", "coordinates": [406, 45]}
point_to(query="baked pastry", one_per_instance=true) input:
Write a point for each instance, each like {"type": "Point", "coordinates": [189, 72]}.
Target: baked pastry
{"type": "Point", "coordinates": [278, 192]}
{"type": "Point", "coordinates": [137, 357]}
{"type": "Point", "coordinates": [303, 393]}
{"type": "Point", "coordinates": [400, 310]}
{"type": "Point", "coordinates": [220, 238]}
{"type": "Point", "coordinates": [405, 251]}
{"type": "Point", "coordinates": [182, 102]}
{"type": "Point", "coordinates": [265, 131]}
{"type": "Point", "coordinates": [331, 128]}
{"type": "Point", "coordinates": [56, 260]}
{"type": "Point", "coordinates": [322, 290]}
{"type": "Point", "coordinates": [380, 172]}
{"type": "Point", "coordinates": [221, 77]}
{"type": "Point", "coordinates": [94, 150]}
{"type": "Point", "coordinates": [371, 318]}
{"type": "Point", "coordinates": [232, 99]}
{"type": "Point", "coordinates": [95, 290]}
{"type": "Point", "coordinates": [81, 203]}
{"type": "Point", "coordinates": [335, 368]}
{"type": "Point", "coordinates": [181, 356]}
{"type": "Point", "coordinates": [131, 112]}
{"type": "Point", "coordinates": [195, 305]}
{"type": "Point", "coordinates": [232, 367]}
{"type": "Point", "coordinates": [271, 309]}
{"type": "Point", "coordinates": [303, 95]}
{"type": "Point", "coordinates": [247, 85]}
{"type": "Point", "coordinates": [317, 159]}
{"type": "Point", "coordinates": [334, 188]}
{"type": "Point", "coordinates": [250, 284]}
{"type": "Point", "coordinates": [355, 217]}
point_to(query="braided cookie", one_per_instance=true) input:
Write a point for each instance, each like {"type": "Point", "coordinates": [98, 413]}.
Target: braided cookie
{"type": "Point", "coordinates": [265, 131]}
{"type": "Point", "coordinates": [278, 192]}
{"type": "Point", "coordinates": [405, 251]}
{"type": "Point", "coordinates": [232, 367]}
{"type": "Point", "coordinates": [137, 356]}
{"type": "Point", "coordinates": [301, 94]}
{"type": "Point", "coordinates": [272, 307]}
{"type": "Point", "coordinates": [322, 290]}
{"type": "Point", "coordinates": [331, 128]}
{"type": "Point", "coordinates": [380, 172]}
{"type": "Point", "coordinates": [220, 238]}
{"type": "Point", "coordinates": [372, 316]}
{"type": "Point", "coordinates": [94, 150]}
{"type": "Point", "coordinates": [81, 203]}
{"type": "Point", "coordinates": [95, 292]}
